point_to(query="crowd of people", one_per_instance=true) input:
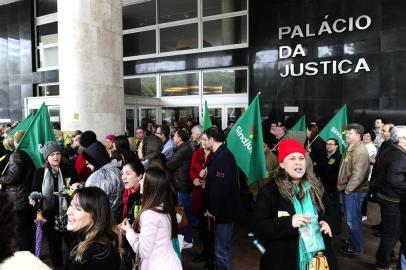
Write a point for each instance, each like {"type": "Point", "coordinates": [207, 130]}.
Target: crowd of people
{"type": "Point", "coordinates": [133, 203]}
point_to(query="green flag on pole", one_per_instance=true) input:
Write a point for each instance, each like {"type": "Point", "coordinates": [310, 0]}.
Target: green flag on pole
{"type": "Point", "coordinates": [206, 117]}
{"type": "Point", "coordinates": [300, 125]}
{"type": "Point", "coordinates": [23, 125]}
{"type": "Point", "coordinates": [334, 127]}
{"type": "Point", "coordinates": [246, 143]}
{"type": "Point", "coordinates": [38, 132]}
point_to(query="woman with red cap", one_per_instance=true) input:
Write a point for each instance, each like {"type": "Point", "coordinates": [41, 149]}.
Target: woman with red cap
{"type": "Point", "coordinates": [293, 217]}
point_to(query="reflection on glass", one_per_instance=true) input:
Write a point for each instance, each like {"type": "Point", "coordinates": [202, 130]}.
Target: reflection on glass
{"type": "Point", "coordinates": [180, 84]}
{"type": "Point", "coordinates": [129, 122]}
{"type": "Point", "coordinates": [48, 57]}
{"type": "Point", "coordinates": [147, 115]}
{"type": "Point", "coordinates": [54, 115]}
{"type": "Point", "coordinates": [139, 43]}
{"type": "Point", "coordinates": [213, 7]}
{"type": "Point", "coordinates": [48, 90]}
{"type": "Point", "coordinates": [234, 113]}
{"type": "Point", "coordinates": [225, 82]}
{"type": "Point", "coordinates": [176, 10]}
{"type": "Point", "coordinates": [139, 15]}
{"type": "Point", "coordinates": [215, 117]}
{"type": "Point", "coordinates": [45, 7]}
{"type": "Point", "coordinates": [183, 37]}
{"type": "Point", "coordinates": [325, 51]}
{"type": "Point", "coordinates": [225, 32]}
{"type": "Point", "coordinates": [349, 48]}
{"type": "Point", "coordinates": [179, 115]}
{"type": "Point", "coordinates": [47, 33]}
{"type": "Point", "coordinates": [145, 86]}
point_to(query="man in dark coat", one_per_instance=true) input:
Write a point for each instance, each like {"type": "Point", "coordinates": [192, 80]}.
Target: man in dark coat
{"type": "Point", "coordinates": [179, 165]}
{"type": "Point", "coordinates": [391, 187]}
{"type": "Point", "coordinates": [17, 183]}
{"type": "Point", "coordinates": [221, 195]}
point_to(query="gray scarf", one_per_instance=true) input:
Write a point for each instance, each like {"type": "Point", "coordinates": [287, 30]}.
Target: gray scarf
{"type": "Point", "coordinates": [48, 189]}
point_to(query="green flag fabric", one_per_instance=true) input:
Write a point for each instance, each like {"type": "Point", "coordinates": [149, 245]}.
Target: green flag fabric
{"type": "Point", "coordinates": [23, 125]}
{"type": "Point", "coordinates": [300, 125]}
{"type": "Point", "coordinates": [246, 143]}
{"type": "Point", "coordinates": [206, 117]}
{"type": "Point", "coordinates": [38, 132]}
{"type": "Point", "coordinates": [334, 127]}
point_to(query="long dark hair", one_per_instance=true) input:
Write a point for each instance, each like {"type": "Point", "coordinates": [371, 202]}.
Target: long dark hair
{"type": "Point", "coordinates": [285, 187]}
{"type": "Point", "coordinates": [103, 229]}
{"type": "Point", "coordinates": [156, 191]}
{"type": "Point", "coordinates": [122, 148]}
{"type": "Point", "coordinates": [7, 227]}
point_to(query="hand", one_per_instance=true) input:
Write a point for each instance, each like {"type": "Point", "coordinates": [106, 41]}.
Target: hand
{"type": "Point", "coordinates": [209, 215]}
{"type": "Point", "coordinates": [203, 173]}
{"type": "Point", "coordinates": [76, 186]}
{"type": "Point", "coordinates": [325, 228]}
{"type": "Point", "coordinates": [202, 183]}
{"type": "Point", "coordinates": [299, 220]}
{"type": "Point", "coordinates": [33, 202]}
{"type": "Point", "coordinates": [196, 182]}
{"type": "Point", "coordinates": [125, 225]}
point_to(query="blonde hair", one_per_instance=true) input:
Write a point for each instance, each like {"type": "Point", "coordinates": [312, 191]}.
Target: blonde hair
{"type": "Point", "coordinates": [8, 143]}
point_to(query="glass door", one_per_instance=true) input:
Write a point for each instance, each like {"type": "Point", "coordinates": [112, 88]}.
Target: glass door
{"type": "Point", "coordinates": [147, 115]}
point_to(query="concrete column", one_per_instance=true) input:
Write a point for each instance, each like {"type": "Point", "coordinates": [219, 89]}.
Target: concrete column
{"type": "Point", "coordinates": [91, 66]}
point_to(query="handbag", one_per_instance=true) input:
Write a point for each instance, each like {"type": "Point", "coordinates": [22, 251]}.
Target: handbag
{"type": "Point", "coordinates": [137, 261]}
{"type": "Point", "coordinates": [181, 217]}
{"type": "Point", "coordinates": [319, 262]}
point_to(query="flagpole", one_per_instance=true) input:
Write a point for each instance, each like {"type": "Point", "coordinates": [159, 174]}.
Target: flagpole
{"type": "Point", "coordinates": [5, 168]}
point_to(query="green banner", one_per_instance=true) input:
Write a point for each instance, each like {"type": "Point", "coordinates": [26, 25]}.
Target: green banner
{"type": "Point", "coordinates": [246, 143]}
{"type": "Point", "coordinates": [23, 125]}
{"type": "Point", "coordinates": [334, 128]}
{"type": "Point", "coordinates": [37, 134]}
{"type": "Point", "coordinates": [300, 125]}
{"type": "Point", "coordinates": [206, 117]}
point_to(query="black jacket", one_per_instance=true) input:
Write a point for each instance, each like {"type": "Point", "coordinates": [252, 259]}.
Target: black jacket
{"type": "Point", "coordinates": [222, 192]}
{"type": "Point", "coordinates": [91, 261]}
{"type": "Point", "coordinates": [403, 224]}
{"type": "Point", "coordinates": [278, 236]}
{"type": "Point", "coordinates": [331, 167]}
{"type": "Point", "coordinates": [179, 165]}
{"type": "Point", "coordinates": [318, 154]}
{"type": "Point", "coordinates": [18, 178]}
{"type": "Point", "coordinates": [381, 149]}
{"type": "Point", "coordinates": [391, 173]}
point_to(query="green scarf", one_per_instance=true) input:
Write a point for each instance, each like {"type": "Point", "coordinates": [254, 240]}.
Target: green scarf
{"type": "Point", "coordinates": [306, 206]}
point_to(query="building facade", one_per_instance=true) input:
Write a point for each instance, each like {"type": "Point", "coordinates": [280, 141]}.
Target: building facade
{"type": "Point", "coordinates": [305, 57]}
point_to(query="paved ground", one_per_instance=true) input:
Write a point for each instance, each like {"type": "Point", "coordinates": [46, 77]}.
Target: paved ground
{"type": "Point", "coordinates": [246, 256]}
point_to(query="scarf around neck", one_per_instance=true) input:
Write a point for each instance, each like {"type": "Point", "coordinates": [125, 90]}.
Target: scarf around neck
{"type": "Point", "coordinates": [310, 238]}
{"type": "Point", "coordinates": [48, 189]}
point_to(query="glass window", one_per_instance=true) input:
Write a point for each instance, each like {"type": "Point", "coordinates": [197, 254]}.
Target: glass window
{"type": "Point", "coordinates": [45, 7]}
{"type": "Point", "coordinates": [180, 84]}
{"type": "Point", "coordinates": [179, 115]}
{"type": "Point", "coordinates": [225, 82]}
{"type": "Point", "coordinates": [183, 37]}
{"type": "Point", "coordinates": [139, 15]}
{"type": "Point", "coordinates": [129, 122]}
{"type": "Point", "coordinates": [213, 7]}
{"type": "Point", "coordinates": [139, 43]}
{"type": "Point", "coordinates": [234, 113]}
{"type": "Point", "coordinates": [48, 90]}
{"type": "Point", "coordinates": [145, 86]}
{"type": "Point", "coordinates": [147, 115]}
{"type": "Point", "coordinates": [215, 117]}
{"type": "Point", "coordinates": [176, 10]}
{"type": "Point", "coordinates": [54, 115]}
{"type": "Point", "coordinates": [47, 33]}
{"type": "Point", "coordinates": [48, 57]}
{"type": "Point", "coordinates": [225, 31]}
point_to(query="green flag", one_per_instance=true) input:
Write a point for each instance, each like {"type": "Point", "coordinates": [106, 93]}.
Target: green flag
{"type": "Point", "coordinates": [246, 143]}
{"type": "Point", "coordinates": [23, 125]}
{"type": "Point", "coordinates": [206, 117]}
{"type": "Point", "coordinates": [334, 127]}
{"type": "Point", "coordinates": [300, 125]}
{"type": "Point", "coordinates": [39, 132]}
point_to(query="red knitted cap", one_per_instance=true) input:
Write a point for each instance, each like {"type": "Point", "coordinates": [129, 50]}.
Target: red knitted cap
{"type": "Point", "coordinates": [289, 146]}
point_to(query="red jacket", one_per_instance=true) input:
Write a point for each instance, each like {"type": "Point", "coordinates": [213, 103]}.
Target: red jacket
{"type": "Point", "coordinates": [197, 164]}
{"type": "Point", "coordinates": [81, 169]}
